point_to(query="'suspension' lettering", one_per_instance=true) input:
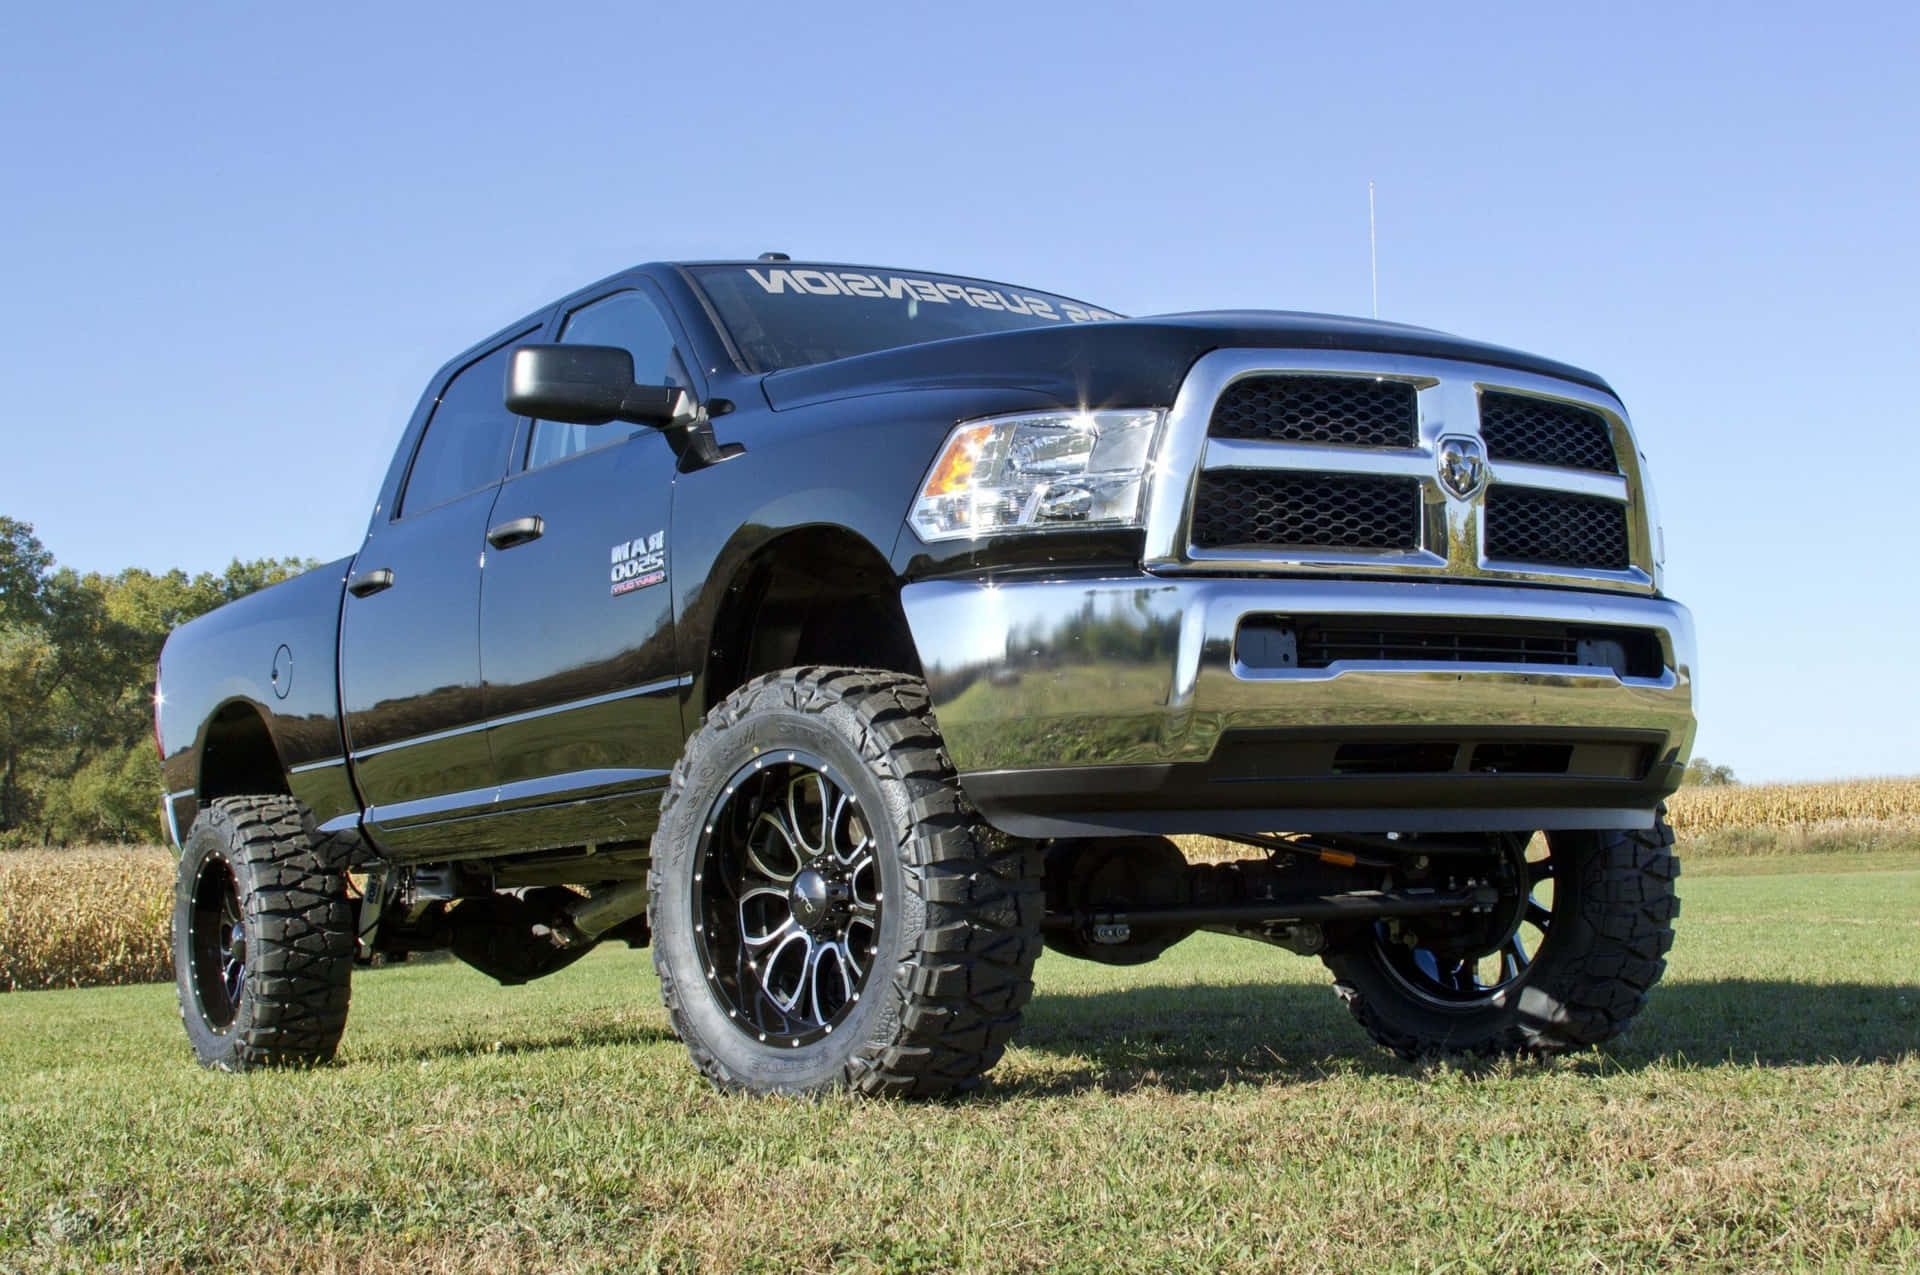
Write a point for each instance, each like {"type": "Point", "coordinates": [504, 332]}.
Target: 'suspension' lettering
{"type": "Point", "coordinates": [848, 283]}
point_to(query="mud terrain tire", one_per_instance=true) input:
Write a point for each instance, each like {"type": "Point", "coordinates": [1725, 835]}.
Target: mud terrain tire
{"type": "Point", "coordinates": [263, 937]}
{"type": "Point", "coordinates": [816, 853]}
{"type": "Point", "coordinates": [1606, 946]}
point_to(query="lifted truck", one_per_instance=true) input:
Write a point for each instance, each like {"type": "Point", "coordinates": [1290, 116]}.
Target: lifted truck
{"type": "Point", "coordinates": [848, 634]}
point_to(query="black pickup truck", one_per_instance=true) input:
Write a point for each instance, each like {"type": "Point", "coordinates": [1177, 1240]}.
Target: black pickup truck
{"type": "Point", "coordinates": [850, 634]}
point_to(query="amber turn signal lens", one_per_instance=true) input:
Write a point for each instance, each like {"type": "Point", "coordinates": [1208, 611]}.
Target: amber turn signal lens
{"type": "Point", "coordinates": [955, 468]}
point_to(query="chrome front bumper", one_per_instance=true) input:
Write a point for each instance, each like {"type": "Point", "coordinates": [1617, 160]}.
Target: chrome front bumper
{"type": "Point", "coordinates": [1080, 706]}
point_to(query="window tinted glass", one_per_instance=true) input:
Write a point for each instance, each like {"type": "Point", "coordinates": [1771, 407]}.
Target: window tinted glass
{"type": "Point", "coordinates": [792, 315]}
{"type": "Point", "coordinates": [632, 322]}
{"type": "Point", "coordinates": [467, 437]}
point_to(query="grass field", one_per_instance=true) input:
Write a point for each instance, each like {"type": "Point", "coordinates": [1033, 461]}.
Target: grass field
{"type": "Point", "coordinates": [1215, 1111]}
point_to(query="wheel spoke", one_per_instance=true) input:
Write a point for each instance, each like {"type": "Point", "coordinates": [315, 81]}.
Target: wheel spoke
{"type": "Point", "coordinates": [826, 1006]}
{"type": "Point", "coordinates": [1513, 959]}
{"type": "Point", "coordinates": [781, 956]}
{"type": "Point", "coordinates": [757, 844]}
{"type": "Point", "coordinates": [1466, 976]}
{"type": "Point", "coordinates": [1539, 870]}
{"type": "Point", "coordinates": [818, 783]}
{"type": "Point", "coordinates": [862, 885]}
{"type": "Point", "coordinates": [859, 937]}
{"type": "Point", "coordinates": [815, 959]}
{"type": "Point", "coordinates": [754, 999]}
{"type": "Point", "coordinates": [1537, 916]}
{"type": "Point", "coordinates": [759, 907]}
{"type": "Point", "coordinates": [852, 844]}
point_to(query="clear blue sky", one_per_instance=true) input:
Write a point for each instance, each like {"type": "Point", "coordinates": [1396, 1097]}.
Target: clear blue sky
{"type": "Point", "coordinates": [236, 239]}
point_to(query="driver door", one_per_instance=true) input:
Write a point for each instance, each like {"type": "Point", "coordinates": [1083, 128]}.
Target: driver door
{"type": "Point", "coordinates": [577, 648]}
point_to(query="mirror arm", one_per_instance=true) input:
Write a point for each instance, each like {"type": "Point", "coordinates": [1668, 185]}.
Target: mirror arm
{"type": "Point", "coordinates": [690, 433]}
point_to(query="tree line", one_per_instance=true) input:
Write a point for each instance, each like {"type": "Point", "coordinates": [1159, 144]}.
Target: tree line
{"type": "Point", "coordinates": [1702, 773]}
{"type": "Point", "coordinates": [77, 654]}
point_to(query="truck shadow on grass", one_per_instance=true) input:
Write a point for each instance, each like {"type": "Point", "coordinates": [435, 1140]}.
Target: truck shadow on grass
{"type": "Point", "coordinates": [571, 1037]}
{"type": "Point", "coordinates": [1199, 1038]}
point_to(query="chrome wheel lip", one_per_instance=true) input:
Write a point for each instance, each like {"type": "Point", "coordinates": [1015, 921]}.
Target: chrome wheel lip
{"type": "Point", "coordinates": [745, 971]}
{"type": "Point", "coordinates": [1427, 976]}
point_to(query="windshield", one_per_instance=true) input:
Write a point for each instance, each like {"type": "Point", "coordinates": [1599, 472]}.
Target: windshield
{"type": "Point", "coordinates": [782, 315]}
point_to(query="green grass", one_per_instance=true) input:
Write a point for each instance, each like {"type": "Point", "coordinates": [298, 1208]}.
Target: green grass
{"type": "Point", "coordinates": [1215, 1111]}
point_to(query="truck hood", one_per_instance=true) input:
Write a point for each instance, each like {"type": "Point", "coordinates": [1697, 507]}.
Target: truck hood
{"type": "Point", "coordinates": [1125, 362]}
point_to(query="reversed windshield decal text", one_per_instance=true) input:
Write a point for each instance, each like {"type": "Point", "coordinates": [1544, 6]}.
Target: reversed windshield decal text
{"type": "Point", "coordinates": [853, 283]}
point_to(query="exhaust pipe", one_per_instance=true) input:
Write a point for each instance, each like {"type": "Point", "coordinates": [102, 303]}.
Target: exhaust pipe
{"type": "Point", "coordinates": [604, 910]}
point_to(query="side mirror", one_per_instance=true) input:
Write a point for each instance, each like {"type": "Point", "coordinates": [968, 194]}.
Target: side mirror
{"type": "Point", "coordinates": [589, 385]}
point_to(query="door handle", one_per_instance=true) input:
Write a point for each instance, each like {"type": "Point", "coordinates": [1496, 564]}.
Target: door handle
{"type": "Point", "coordinates": [517, 532]}
{"type": "Point", "coordinates": [368, 583]}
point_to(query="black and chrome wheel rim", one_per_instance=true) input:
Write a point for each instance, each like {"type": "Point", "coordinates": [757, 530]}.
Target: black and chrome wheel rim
{"type": "Point", "coordinates": [787, 899]}
{"type": "Point", "coordinates": [217, 941]}
{"type": "Point", "coordinates": [1487, 969]}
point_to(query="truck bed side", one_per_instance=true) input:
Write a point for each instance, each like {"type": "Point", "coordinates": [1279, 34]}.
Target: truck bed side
{"type": "Point", "coordinates": [249, 701]}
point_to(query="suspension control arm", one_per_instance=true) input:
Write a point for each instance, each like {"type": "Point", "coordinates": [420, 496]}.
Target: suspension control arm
{"type": "Point", "coordinates": [1354, 905]}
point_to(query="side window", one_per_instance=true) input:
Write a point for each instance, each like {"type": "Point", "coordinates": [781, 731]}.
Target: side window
{"type": "Point", "coordinates": [467, 439]}
{"type": "Point", "coordinates": [632, 322]}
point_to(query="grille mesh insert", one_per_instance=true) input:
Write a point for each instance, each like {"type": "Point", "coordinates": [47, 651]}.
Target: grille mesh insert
{"type": "Point", "coordinates": [1316, 642]}
{"type": "Point", "coordinates": [1388, 639]}
{"type": "Point", "coordinates": [1539, 432]}
{"type": "Point", "coordinates": [1525, 525]}
{"type": "Point", "coordinates": [1353, 411]}
{"type": "Point", "coordinates": [1325, 511]}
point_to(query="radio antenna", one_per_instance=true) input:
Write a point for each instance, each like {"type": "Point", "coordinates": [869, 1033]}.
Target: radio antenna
{"type": "Point", "coordinates": [1373, 250]}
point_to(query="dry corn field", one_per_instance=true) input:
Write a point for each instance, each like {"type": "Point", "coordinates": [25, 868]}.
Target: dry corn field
{"type": "Point", "coordinates": [84, 917]}
{"type": "Point", "coordinates": [1759, 819]}
{"type": "Point", "coordinates": [1793, 805]}
{"type": "Point", "coordinates": [98, 915]}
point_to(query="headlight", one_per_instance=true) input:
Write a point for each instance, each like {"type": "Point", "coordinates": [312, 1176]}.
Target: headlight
{"type": "Point", "coordinates": [1045, 471]}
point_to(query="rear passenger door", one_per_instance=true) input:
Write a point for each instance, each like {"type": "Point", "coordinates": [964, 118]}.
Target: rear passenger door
{"type": "Point", "coordinates": [409, 633]}
{"type": "Point", "coordinates": [576, 617]}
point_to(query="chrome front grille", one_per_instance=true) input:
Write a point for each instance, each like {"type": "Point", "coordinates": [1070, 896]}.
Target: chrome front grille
{"type": "Point", "coordinates": [1348, 410]}
{"type": "Point", "coordinates": [1540, 431]}
{"type": "Point", "coordinates": [1556, 527]}
{"type": "Point", "coordinates": [1331, 511]}
{"type": "Point", "coordinates": [1326, 461]}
